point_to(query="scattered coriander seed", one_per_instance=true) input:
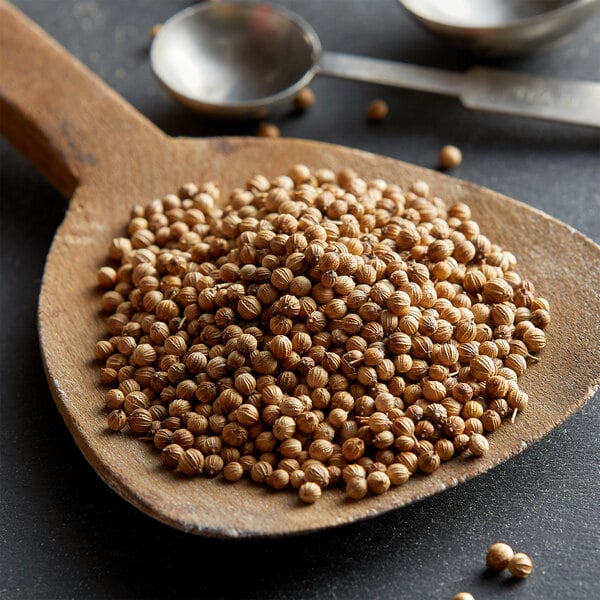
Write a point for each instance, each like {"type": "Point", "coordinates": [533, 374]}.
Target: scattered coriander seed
{"type": "Point", "coordinates": [155, 29]}
{"type": "Point", "coordinates": [498, 556]}
{"type": "Point", "coordinates": [353, 470]}
{"type": "Point", "coordinates": [304, 99]}
{"type": "Point", "coordinates": [520, 565]}
{"type": "Point", "coordinates": [464, 596]}
{"type": "Point", "coordinates": [377, 110]}
{"type": "Point", "coordinates": [266, 129]}
{"type": "Point", "coordinates": [450, 157]}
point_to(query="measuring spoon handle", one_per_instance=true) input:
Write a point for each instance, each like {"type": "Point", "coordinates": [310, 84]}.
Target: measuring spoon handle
{"type": "Point", "coordinates": [61, 117]}
{"type": "Point", "coordinates": [479, 88]}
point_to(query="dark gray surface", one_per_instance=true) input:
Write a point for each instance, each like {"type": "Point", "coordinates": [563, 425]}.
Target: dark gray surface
{"type": "Point", "coordinates": [66, 535]}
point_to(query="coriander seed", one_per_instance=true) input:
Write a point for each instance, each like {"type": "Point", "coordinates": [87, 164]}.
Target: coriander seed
{"type": "Point", "coordinates": [139, 420]}
{"type": "Point", "coordinates": [520, 565]}
{"type": "Point", "coordinates": [304, 99]}
{"type": "Point", "coordinates": [398, 474]}
{"type": "Point", "coordinates": [261, 471]}
{"type": "Point", "coordinates": [478, 444]}
{"type": "Point", "coordinates": [171, 454]}
{"type": "Point", "coordinates": [377, 110]}
{"type": "Point", "coordinates": [279, 479]}
{"type": "Point", "coordinates": [213, 465]}
{"type": "Point", "coordinates": [378, 482]}
{"type": "Point", "coordinates": [191, 462]}
{"type": "Point", "coordinates": [154, 30]}
{"type": "Point", "coordinates": [309, 492]}
{"type": "Point", "coordinates": [266, 129]}
{"type": "Point", "coordinates": [297, 479]}
{"type": "Point", "coordinates": [356, 488]}
{"type": "Point", "coordinates": [313, 328]}
{"type": "Point", "coordinates": [498, 556]}
{"type": "Point", "coordinates": [117, 419]}
{"type": "Point", "coordinates": [429, 461]}
{"type": "Point", "coordinates": [450, 157]}
{"type": "Point", "coordinates": [233, 471]}
{"type": "Point", "coordinates": [316, 472]}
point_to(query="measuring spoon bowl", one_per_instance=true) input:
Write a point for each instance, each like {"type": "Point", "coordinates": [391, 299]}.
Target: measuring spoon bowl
{"type": "Point", "coordinates": [501, 27]}
{"type": "Point", "coordinates": [235, 59]}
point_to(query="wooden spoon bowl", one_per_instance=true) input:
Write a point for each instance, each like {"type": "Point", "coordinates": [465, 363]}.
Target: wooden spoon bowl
{"type": "Point", "coordinates": [98, 150]}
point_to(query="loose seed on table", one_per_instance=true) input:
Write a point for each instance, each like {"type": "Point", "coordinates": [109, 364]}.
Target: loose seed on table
{"type": "Point", "coordinates": [316, 329]}
{"type": "Point", "coordinates": [377, 110]}
{"type": "Point", "coordinates": [155, 29]}
{"type": "Point", "coordinates": [498, 556]}
{"type": "Point", "coordinates": [464, 596]}
{"type": "Point", "coordinates": [266, 129]}
{"type": "Point", "coordinates": [450, 157]}
{"type": "Point", "coordinates": [304, 99]}
{"type": "Point", "coordinates": [520, 565]}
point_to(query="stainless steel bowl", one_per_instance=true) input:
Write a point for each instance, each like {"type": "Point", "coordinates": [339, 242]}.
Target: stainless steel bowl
{"type": "Point", "coordinates": [501, 27]}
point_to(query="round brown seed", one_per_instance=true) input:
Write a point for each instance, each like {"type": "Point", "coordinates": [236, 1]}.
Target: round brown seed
{"type": "Point", "coordinates": [520, 565]}
{"type": "Point", "coordinates": [498, 556]}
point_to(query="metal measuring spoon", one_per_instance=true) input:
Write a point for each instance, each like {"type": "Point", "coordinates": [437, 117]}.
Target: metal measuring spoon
{"type": "Point", "coordinates": [237, 59]}
{"type": "Point", "coordinates": [501, 27]}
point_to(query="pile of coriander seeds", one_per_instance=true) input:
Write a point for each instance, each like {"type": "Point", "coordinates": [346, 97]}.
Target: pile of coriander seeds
{"type": "Point", "coordinates": [313, 330]}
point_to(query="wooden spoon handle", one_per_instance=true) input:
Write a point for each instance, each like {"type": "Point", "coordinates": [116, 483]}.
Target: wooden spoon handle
{"type": "Point", "coordinates": [62, 117]}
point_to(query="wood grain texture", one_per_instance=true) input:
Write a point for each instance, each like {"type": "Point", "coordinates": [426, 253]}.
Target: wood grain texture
{"type": "Point", "coordinates": [111, 158]}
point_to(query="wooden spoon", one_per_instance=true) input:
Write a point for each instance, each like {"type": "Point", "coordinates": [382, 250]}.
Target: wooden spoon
{"type": "Point", "coordinates": [99, 151]}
